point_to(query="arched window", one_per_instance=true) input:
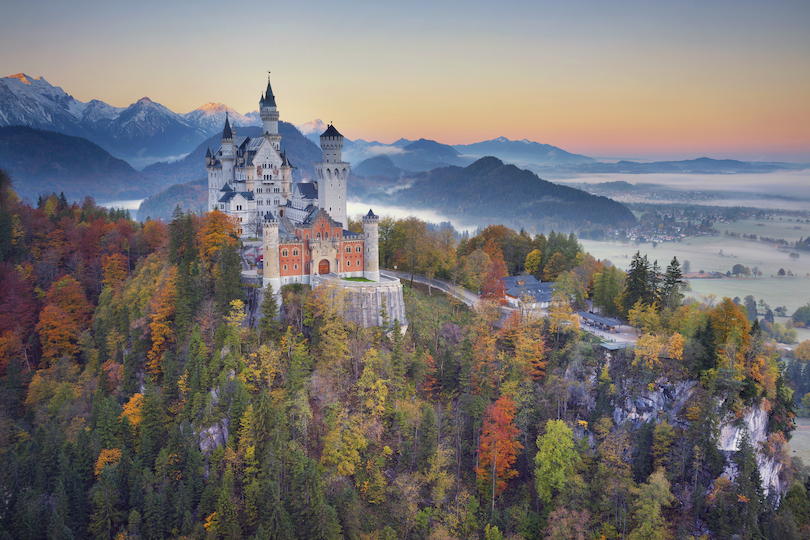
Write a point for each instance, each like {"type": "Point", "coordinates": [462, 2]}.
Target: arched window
{"type": "Point", "coordinates": [317, 235]}
{"type": "Point", "coordinates": [359, 249]}
{"type": "Point", "coordinates": [284, 253]}
{"type": "Point", "coordinates": [295, 253]}
{"type": "Point", "coordinates": [295, 267]}
{"type": "Point", "coordinates": [348, 249]}
{"type": "Point", "coordinates": [285, 267]}
{"type": "Point", "coordinates": [326, 235]}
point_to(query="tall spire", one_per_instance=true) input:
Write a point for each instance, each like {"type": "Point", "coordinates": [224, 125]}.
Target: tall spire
{"type": "Point", "coordinates": [227, 133]}
{"type": "Point", "coordinates": [268, 100]}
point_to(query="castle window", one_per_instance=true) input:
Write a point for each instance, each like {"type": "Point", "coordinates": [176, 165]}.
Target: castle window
{"type": "Point", "coordinates": [359, 249]}
{"type": "Point", "coordinates": [318, 235]}
{"type": "Point", "coordinates": [284, 253]}
{"type": "Point", "coordinates": [326, 235]}
{"type": "Point", "coordinates": [348, 249]}
{"type": "Point", "coordinates": [295, 267]}
{"type": "Point", "coordinates": [222, 207]}
{"type": "Point", "coordinates": [295, 252]}
{"type": "Point", "coordinates": [285, 267]}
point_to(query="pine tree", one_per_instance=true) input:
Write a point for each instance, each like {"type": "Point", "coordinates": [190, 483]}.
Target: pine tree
{"type": "Point", "coordinates": [268, 325]}
{"type": "Point", "coordinates": [672, 286]}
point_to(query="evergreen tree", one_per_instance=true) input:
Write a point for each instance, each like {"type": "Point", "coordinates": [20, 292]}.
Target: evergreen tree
{"type": "Point", "coordinates": [268, 325]}
{"type": "Point", "coordinates": [672, 285]}
{"type": "Point", "coordinates": [637, 284]}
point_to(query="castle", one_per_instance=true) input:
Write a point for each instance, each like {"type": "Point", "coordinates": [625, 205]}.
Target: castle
{"type": "Point", "coordinates": [303, 227]}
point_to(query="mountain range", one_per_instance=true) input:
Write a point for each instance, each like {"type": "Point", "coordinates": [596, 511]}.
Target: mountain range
{"type": "Point", "coordinates": [141, 133]}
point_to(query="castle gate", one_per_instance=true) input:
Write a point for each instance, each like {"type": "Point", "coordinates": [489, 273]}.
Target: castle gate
{"type": "Point", "coordinates": [323, 267]}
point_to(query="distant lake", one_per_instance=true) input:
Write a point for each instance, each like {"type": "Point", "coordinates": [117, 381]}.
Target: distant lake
{"type": "Point", "coordinates": [132, 204]}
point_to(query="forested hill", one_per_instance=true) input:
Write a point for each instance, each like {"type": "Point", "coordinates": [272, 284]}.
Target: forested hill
{"type": "Point", "coordinates": [41, 161]}
{"type": "Point", "coordinates": [189, 196]}
{"type": "Point", "coordinates": [301, 151]}
{"type": "Point", "coordinates": [499, 192]}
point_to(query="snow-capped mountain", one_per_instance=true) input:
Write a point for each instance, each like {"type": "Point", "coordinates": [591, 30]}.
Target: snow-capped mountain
{"type": "Point", "coordinates": [32, 101]}
{"type": "Point", "coordinates": [211, 117]}
{"type": "Point", "coordinates": [312, 130]}
{"type": "Point", "coordinates": [142, 133]}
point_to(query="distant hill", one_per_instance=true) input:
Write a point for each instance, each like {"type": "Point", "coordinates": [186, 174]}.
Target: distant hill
{"type": "Point", "coordinates": [424, 154]}
{"type": "Point", "coordinates": [381, 165]}
{"type": "Point", "coordinates": [44, 161]}
{"type": "Point", "coordinates": [524, 151]}
{"type": "Point", "coordinates": [189, 196]}
{"type": "Point", "coordinates": [702, 165]}
{"type": "Point", "coordinates": [491, 191]}
{"type": "Point", "coordinates": [301, 151]}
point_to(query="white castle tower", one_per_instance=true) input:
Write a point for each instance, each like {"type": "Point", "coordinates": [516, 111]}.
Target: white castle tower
{"type": "Point", "coordinates": [333, 174]}
{"type": "Point", "coordinates": [272, 272]}
{"type": "Point", "coordinates": [227, 159]}
{"type": "Point", "coordinates": [269, 114]}
{"type": "Point", "coordinates": [371, 258]}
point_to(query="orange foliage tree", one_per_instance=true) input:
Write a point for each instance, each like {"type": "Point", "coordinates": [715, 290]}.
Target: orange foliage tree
{"type": "Point", "coordinates": [498, 448]}
{"type": "Point", "coordinates": [217, 231]}
{"type": "Point", "coordinates": [162, 310]}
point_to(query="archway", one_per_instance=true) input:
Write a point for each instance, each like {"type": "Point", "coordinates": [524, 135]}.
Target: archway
{"type": "Point", "coordinates": [323, 267]}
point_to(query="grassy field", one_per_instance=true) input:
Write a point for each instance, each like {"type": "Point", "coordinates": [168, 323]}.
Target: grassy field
{"type": "Point", "coordinates": [800, 442]}
{"type": "Point", "coordinates": [704, 253]}
{"type": "Point", "coordinates": [788, 227]}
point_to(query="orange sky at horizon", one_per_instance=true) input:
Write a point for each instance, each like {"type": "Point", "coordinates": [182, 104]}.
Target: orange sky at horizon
{"type": "Point", "coordinates": [626, 79]}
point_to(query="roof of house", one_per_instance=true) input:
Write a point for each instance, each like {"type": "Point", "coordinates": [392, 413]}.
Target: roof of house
{"type": "Point", "coordinates": [606, 321]}
{"type": "Point", "coordinates": [539, 292]}
{"type": "Point", "coordinates": [513, 281]}
{"type": "Point", "coordinates": [307, 190]}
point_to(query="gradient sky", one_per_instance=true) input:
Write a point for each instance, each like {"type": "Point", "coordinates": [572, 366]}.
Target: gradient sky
{"type": "Point", "coordinates": [645, 79]}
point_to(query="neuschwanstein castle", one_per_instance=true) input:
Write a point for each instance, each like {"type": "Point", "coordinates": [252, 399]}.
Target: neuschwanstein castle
{"type": "Point", "coordinates": [303, 226]}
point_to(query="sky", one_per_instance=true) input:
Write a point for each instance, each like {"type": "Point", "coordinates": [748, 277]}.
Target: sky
{"type": "Point", "coordinates": [618, 79]}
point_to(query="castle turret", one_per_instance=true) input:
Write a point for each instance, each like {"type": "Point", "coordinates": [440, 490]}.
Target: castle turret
{"type": "Point", "coordinates": [228, 156]}
{"type": "Point", "coordinates": [333, 174]}
{"type": "Point", "coordinates": [269, 114]}
{"type": "Point", "coordinates": [272, 271]}
{"type": "Point", "coordinates": [371, 257]}
{"type": "Point", "coordinates": [286, 176]}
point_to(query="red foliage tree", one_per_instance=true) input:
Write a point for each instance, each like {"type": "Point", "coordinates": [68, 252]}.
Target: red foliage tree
{"type": "Point", "coordinates": [498, 448]}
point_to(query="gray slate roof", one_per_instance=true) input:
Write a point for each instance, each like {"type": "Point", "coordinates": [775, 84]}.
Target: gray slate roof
{"type": "Point", "coordinates": [307, 190]}
{"type": "Point", "coordinates": [540, 292]}
{"type": "Point", "coordinates": [331, 132]}
{"type": "Point", "coordinates": [226, 132]}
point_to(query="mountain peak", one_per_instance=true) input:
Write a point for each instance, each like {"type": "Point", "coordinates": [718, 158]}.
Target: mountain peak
{"type": "Point", "coordinates": [145, 101]}
{"type": "Point", "coordinates": [22, 77]}
{"type": "Point", "coordinates": [213, 107]}
{"type": "Point", "coordinates": [313, 127]}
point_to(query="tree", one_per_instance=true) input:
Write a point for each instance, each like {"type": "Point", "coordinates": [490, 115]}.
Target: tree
{"type": "Point", "coordinates": [608, 284]}
{"type": "Point", "coordinates": [268, 325]}
{"type": "Point", "coordinates": [498, 448]}
{"type": "Point", "coordinates": [751, 306]}
{"type": "Point", "coordinates": [687, 267]}
{"type": "Point", "coordinates": [652, 495]}
{"type": "Point", "coordinates": [555, 460]}
{"type": "Point", "coordinates": [802, 352]}
{"type": "Point", "coordinates": [671, 293]}
{"type": "Point", "coordinates": [800, 316]}
{"type": "Point", "coordinates": [534, 263]}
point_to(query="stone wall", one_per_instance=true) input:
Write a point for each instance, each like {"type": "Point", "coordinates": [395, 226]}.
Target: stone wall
{"type": "Point", "coordinates": [363, 300]}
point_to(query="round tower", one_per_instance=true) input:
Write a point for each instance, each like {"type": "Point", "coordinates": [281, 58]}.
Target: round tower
{"type": "Point", "coordinates": [271, 273]}
{"type": "Point", "coordinates": [269, 114]}
{"type": "Point", "coordinates": [228, 157]}
{"type": "Point", "coordinates": [333, 174]}
{"type": "Point", "coordinates": [371, 255]}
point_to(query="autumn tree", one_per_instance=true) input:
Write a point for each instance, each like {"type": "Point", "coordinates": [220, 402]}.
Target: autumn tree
{"type": "Point", "coordinates": [498, 448]}
{"type": "Point", "coordinates": [555, 461]}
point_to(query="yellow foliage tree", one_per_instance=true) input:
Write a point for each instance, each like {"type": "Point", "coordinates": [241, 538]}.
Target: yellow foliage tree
{"type": "Point", "coordinates": [162, 310]}
{"type": "Point", "coordinates": [108, 456]}
{"type": "Point", "coordinates": [132, 410]}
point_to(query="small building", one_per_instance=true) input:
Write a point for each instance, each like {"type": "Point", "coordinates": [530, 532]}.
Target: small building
{"type": "Point", "coordinates": [528, 292]}
{"type": "Point", "coordinates": [603, 323]}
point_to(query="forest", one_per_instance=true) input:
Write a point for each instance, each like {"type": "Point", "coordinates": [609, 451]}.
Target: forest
{"type": "Point", "coordinates": [136, 401]}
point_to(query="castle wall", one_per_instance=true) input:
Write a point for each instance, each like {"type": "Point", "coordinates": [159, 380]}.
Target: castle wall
{"type": "Point", "coordinates": [363, 300]}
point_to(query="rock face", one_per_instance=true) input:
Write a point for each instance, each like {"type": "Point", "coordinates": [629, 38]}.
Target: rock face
{"type": "Point", "coordinates": [755, 421]}
{"type": "Point", "coordinates": [666, 398]}
{"type": "Point", "coordinates": [213, 437]}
